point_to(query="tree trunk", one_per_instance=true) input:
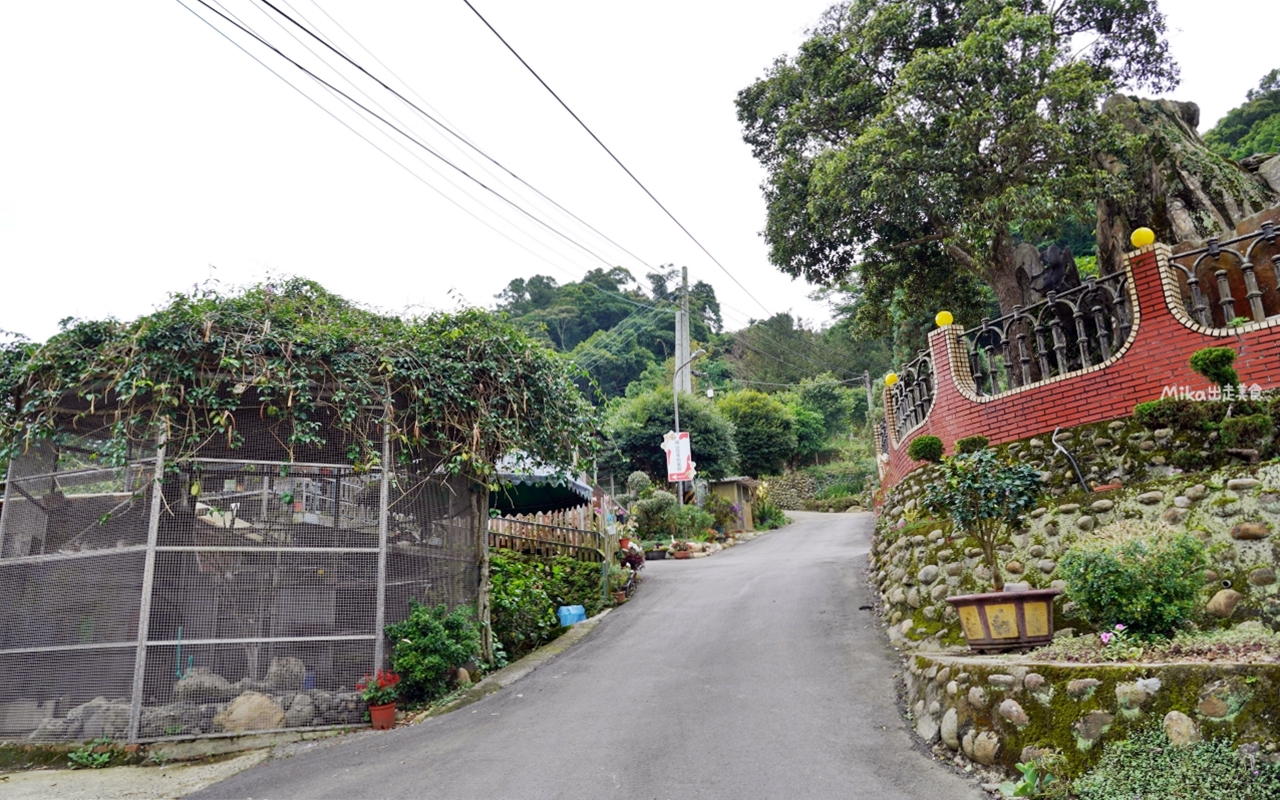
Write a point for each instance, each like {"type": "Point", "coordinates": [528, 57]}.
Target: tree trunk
{"type": "Point", "coordinates": [1003, 274]}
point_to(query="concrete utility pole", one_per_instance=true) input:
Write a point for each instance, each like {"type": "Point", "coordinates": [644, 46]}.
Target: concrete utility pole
{"type": "Point", "coordinates": [683, 381]}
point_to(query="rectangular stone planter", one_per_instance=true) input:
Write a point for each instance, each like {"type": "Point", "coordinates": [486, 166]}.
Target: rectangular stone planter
{"type": "Point", "coordinates": [1006, 620]}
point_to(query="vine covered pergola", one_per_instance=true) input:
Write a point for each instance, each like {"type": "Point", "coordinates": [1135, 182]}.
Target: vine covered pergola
{"type": "Point", "coordinates": [233, 495]}
{"type": "Point", "coordinates": [458, 389]}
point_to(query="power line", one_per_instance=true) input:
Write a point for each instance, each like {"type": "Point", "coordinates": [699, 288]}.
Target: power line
{"type": "Point", "coordinates": [446, 128]}
{"type": "Point", "coordinates": [410, 137]}
{"type": "Point", "coordinates": [401, 130]}
{"type": "Point", "coordinates": [792, 385]}
{"type": "Point", "coordinates": [619, 334]}
{"type": "Point", "coordinates": [392, 158]}
{"type": "Point", "coordinates": [369, 113]}
{"type": "Point", "coordinates": [617, 160]}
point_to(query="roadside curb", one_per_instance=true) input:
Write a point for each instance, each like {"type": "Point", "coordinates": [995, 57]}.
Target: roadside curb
{"type": "Point", "coordinates": [514, 672]}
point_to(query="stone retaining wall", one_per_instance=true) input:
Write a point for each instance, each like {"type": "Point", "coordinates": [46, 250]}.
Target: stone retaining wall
{"type": "Point", "coordinates": [916, 563]}
{"type": "Point", "coordinates": [205, 703]}
{"type": "Point", "coordinates": [1005, 710]}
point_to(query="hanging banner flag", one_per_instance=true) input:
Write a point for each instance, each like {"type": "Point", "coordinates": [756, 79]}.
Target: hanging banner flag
{"type": "Point", "coordinates": [679, 456]}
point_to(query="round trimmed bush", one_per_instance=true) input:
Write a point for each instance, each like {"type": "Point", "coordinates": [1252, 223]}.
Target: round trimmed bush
{"type": "Point", "coordinates": [925, 448]}
{"type": "Point", "coordinates": [971, 444]}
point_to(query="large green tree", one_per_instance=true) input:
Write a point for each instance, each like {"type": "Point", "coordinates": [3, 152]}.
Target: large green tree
{"type": "Point", "coordinates": [1253, 127]}
{"type": "Point", "coordinates": [916, 142]}
{"type": "Point", "coordinates": [764, 432]}
{"type": "Point", "coordinates": [635, 427]}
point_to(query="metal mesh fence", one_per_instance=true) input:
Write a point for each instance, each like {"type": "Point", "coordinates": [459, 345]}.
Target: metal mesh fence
{"type": "Point", "coordinates": [242, 596]}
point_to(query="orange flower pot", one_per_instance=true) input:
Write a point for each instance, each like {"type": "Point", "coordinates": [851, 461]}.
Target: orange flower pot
{"type": "Point", "coordinates": [383, 716]}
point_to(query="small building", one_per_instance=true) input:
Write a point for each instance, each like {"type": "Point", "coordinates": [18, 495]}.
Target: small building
{"type": "Point", "coordinates": [739, 491]}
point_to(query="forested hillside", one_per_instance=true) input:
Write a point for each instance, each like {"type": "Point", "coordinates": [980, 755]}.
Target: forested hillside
{"type": "Point", "coordinates": [768, 395]}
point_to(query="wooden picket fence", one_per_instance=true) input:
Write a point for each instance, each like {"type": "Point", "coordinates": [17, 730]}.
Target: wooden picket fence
{"type": "Point", "coordinates": [559, 533]}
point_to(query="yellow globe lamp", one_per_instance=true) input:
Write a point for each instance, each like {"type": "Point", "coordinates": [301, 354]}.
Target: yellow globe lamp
{"type": "Point", "coordinates": [1142, 237]}
{"type": "Point", "coordinates": [944, 318]}
{"type": "Point", "coordinates": [891, 379]}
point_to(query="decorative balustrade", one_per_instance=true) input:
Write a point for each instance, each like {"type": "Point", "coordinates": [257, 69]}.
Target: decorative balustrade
{"type": "Point", "coordinates": [912, 396]}
{"type": "Point", "coordinates": [1064, 333]}
{"type": "Point", "coordinates": [1238, 278]}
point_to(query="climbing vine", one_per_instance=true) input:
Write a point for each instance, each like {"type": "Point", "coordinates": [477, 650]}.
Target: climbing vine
{"type": "Point", "coordinates": [459, 389]}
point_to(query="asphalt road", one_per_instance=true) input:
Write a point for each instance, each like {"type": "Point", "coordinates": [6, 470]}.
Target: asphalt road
{"type": "Point", "coordinates": [752, 674]}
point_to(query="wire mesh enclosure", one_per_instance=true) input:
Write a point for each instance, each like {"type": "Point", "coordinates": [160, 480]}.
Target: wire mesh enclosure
{"type": "Point", "coordinates": [236, 593]}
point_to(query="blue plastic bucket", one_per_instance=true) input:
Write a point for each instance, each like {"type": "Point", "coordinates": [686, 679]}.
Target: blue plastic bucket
{"type": "Point", "coordinates": [570, 615]}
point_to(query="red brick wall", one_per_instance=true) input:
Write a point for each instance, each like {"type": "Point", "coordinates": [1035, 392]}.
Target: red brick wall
{"type": "Point", "coordinates": [1156, 356]}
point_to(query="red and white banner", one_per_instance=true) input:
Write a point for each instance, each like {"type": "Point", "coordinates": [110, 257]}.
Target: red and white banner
{"type": "Point", "coordinates": [679, 456]}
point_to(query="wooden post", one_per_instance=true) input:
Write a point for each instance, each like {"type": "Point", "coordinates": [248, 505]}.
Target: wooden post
{"type": "Point", "coordinates": [148, 582]}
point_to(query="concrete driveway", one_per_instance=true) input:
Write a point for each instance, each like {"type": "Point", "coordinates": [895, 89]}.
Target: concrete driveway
{"type": "Point", "coordinates": [750, 674]}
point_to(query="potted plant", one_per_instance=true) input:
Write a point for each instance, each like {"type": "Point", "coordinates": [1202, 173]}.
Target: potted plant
{"type": "Point", "coordinates": [380, 692]}
{"type": "Point", "coordinates": [619, 581]}
{"type": "Point", "coordinates": [680, 549]}
{"type": "Point", "coordinates": [722, 512]}
{"type": "Point", "coordinates": [984, 495]}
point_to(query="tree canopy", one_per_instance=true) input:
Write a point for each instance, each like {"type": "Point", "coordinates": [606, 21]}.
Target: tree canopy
{"type": "Point", "coordinates": [764, 432]}
{"type": "Point", "coordinates": [915, 142]}
{"type": "Point", "coordinates": [464, 389]}
{"type": "Point", "coordinates": [636, 426]}
{"type": "Point", "coordinates": [1253, 127]}
{"type": "Point", "coordinates": [567, 315]}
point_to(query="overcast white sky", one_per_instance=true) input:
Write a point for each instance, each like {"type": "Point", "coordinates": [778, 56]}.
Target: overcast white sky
{"type": "Point", "coordinates": [141, 152]}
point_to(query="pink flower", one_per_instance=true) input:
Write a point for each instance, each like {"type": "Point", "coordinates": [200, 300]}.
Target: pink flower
{"type": "Point", "coordinates": [1119, 627]}
{"type": "Point", "coordinates": [1106, 637]}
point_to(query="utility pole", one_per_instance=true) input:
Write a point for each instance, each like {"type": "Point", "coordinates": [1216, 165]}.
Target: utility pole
{"type": "Point", "coordinates": [682, 381]}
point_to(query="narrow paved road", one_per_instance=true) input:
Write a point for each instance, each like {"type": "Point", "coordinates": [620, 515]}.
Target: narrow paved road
{"type": "Point", "coordinates": [748, 675]}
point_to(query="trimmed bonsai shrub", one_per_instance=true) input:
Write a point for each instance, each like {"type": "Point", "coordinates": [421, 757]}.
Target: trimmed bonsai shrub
{"type": "Point", "coordinates": [1254, 430]}
{"type": "Point", "coordinates": [637, 482]}
{"type": "Point", "coordinates": [984, 495]}
{"type": "Point", "coordinates": [971, 444]}
{"type": "Point", "coordinates": [429, 645]}
{"type": "Point", "coordinates": [1171, 412]}
{"type": "Point", "coordinates": [1215, 363]}
{"type": "Point", "coordinates": [1144, 575]}
{"type": "Point", "coordinates": [925, 448]}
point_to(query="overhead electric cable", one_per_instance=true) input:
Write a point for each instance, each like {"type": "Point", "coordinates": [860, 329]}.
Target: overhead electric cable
{"type": "Point", "coordinates": [410, 137]}
{"type": "Point", "coordinates": [397, 162]}
{"type": "Point", "coordinates": [446, 128]}
{"type": "Point", "coordinates": [352, 102]}
{"type": "Point", "coordinates": [617, 160]}
{"type": "Point", "coordinates": [606, 350]}
{"type": "Point", "coordinates": [617, 333]}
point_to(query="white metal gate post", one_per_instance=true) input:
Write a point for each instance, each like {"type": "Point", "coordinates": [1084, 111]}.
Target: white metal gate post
{"type": "Point", "coordinates": [144, 606]}
{"type": "Point", "coordinates": [384, 496]}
